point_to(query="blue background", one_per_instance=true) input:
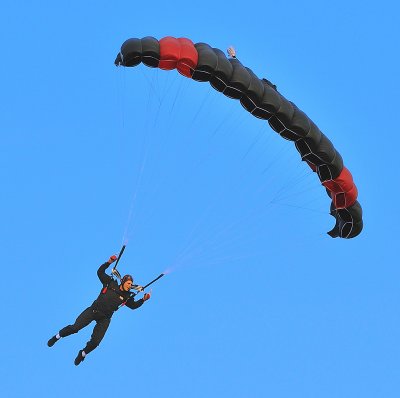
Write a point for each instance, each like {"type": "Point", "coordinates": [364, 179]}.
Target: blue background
{"type": "Point", "coordinates": [258, 300]}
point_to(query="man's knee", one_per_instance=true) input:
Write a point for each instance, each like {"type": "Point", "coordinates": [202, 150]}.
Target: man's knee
{"type": "Point", "coordinates": [91, 345]}
{"type": "Point", "coordinates": [68, 330]}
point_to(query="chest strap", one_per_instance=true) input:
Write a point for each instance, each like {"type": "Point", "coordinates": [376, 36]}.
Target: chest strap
{"type": "Point", "coordinates": [104, 291]}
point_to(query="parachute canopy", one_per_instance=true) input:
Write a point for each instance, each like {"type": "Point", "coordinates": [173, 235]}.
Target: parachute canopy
{"type": "Point", "coordinates": [260, 97]}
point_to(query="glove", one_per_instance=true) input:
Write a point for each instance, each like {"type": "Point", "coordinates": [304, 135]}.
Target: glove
{"type": "Point", "coordinates": [112, 259]}
{"type": "Point", "coordinates": [146, 296]}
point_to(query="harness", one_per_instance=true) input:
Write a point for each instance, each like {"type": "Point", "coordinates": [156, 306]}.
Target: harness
{"type": "Point", "coordinates": [109, 286]}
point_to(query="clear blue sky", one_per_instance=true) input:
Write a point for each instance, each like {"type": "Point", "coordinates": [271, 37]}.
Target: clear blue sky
{"type": "Point", "coordinates": [261, 302]}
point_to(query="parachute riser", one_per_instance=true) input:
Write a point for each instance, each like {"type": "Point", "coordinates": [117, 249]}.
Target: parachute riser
{"type": "Point", "coordinates": [146, 286]}
{"type": "Point", "coordinates": [116, 273]}
{"type": "Point", "coordinates": [114, 270]}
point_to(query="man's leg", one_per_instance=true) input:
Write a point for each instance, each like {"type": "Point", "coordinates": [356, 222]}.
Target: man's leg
{"type": "Point", "coordinates": [83, 320]}
{"type": "Point", "coordinates": [98, 333]}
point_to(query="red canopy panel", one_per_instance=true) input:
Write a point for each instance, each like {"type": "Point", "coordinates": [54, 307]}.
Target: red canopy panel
{"type": "Point", "coordinates": [179, 54]}
{"type": "Point", "coordinates": [343, 191]}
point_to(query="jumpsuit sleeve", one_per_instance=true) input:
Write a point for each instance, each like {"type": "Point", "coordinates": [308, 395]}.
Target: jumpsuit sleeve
{"type": "Point", "coordinates": [132, 304]}
{"type": "Point", "coordinates": [101, 273]}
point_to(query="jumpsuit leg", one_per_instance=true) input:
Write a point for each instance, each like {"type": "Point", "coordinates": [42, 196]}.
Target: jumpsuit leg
{"type": "Point", "coordinates": [82, 321]}
{"type": "Point", "coordinates": [98, 333]}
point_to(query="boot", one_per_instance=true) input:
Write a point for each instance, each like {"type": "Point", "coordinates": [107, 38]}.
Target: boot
{"type": "Point", "coordinates": [52, 341]}
{"type": "Point", "coordinates": [79, 358]}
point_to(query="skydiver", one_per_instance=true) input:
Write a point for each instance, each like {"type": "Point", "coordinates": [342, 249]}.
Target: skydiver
{"type": "Point", "coordinates": [111, 297]}
{"type": "Point", "coordinates": [232, 54]}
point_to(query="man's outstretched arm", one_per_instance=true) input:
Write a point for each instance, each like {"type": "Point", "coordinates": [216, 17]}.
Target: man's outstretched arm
{"type": "Point", "coordinates": [101, 272]}
{"type": "Point", "coordinates": [132, 304]}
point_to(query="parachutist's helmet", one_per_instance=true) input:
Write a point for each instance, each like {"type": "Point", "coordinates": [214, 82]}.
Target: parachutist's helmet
{"type": "Point", "coordinates": [126, 278]}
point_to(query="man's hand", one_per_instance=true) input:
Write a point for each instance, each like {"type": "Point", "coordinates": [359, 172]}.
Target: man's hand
{"type": "Point", "coordinates": [146, 296]}
{"type": "Point", "coordinates": [112, 259]}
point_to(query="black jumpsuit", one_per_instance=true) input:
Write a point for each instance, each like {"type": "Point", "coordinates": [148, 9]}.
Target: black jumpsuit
{"type": "Point", "coordinates": [102, 309]}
